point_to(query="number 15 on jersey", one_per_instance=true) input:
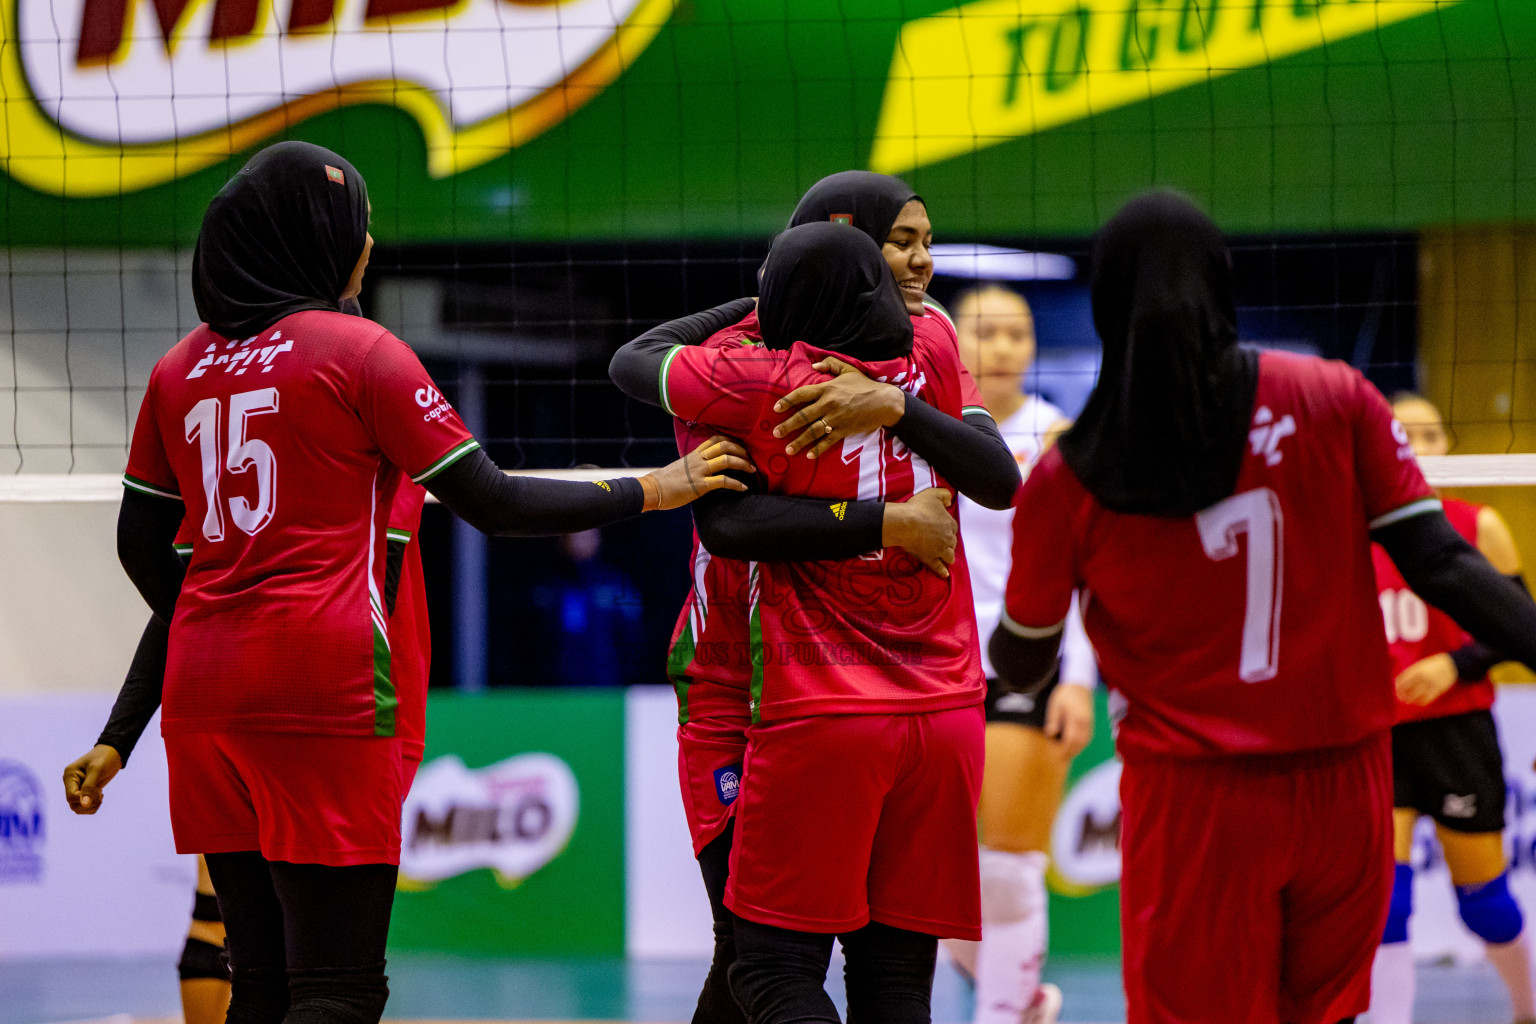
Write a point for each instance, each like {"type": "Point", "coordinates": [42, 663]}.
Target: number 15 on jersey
{"type": "Point", "coordinates": [245, 454]}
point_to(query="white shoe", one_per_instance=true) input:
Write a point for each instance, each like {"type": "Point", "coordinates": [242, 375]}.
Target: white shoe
{"type": "Point", "coordinates": [1045, 1007]}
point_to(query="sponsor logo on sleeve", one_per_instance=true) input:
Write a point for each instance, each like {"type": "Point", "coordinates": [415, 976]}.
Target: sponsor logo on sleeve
{"type": "Point", "coordinates": [512, 817]}
{"type": "Point", "coordinates": [1404, 448]}
{"type": "Point", "coordinates": [430, 399]}
{"type": "Point", "coordinates": [98, 103]}
{"type": "Point", "coordinates": [22, 831]}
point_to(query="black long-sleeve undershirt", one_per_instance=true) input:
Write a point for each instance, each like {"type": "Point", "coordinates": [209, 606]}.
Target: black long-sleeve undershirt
{"type": "Point", "coordinates": [479, 493]}
{"type": "Point", "coordinates": [970, 454]}
{"type": "Point", "coordinates": [146, 533]}
{"type": "Point", "coordinates": [1436, 562]}
{"type": "Point", "coordinates": [140, 695]}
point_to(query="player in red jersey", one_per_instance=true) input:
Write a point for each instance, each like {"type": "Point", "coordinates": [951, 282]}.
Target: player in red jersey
{"type": "Point", "coordinates": [279, 673]}
{"type": "Point", "coordinates": [203, 968]}
{"type": "Point", "coordinates": [712, 679]}
{"type": "Point", "coordinates": [838, 647]}
{"type": "Point", "coordinates": [1216, 507]}
{"type": "Point", "coordinates": [1446, 761]}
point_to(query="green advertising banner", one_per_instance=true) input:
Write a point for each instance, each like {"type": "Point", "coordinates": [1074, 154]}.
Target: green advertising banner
{"type": "Point", "coordinates": [1084, 877]}
{"type": "Point", "coordinates": [601, 119]}
{"type": "Point", "coordinates": [513, 833]}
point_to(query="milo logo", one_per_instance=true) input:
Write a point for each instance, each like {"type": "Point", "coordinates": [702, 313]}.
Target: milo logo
{"type": "Point", "coordinates": [1085, 838]}
{"type": "Point", "coordinates": [513, 817]}
{"type": "Point", "coordinates": [104, 96]}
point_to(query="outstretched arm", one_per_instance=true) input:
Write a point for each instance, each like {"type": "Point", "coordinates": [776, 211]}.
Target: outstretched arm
{"type": "Point", "coordinates": [502, 506]}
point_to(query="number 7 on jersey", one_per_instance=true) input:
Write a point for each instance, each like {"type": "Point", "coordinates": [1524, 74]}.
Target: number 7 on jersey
{"type": "Point", "coordinates": [1256, 513]}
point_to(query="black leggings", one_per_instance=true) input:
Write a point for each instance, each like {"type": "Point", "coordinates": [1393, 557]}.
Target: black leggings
{"type": "Point", "coordinates": [306, 941]}
{"type": "Point", "coordinates": [779, 976]}
{"type": "Point", "coordinates": [716, 1003]}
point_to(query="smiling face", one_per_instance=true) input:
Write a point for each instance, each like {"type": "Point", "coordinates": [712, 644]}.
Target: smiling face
{"type": "Point", "coordinates": [906, 250]}
{"type": "Point", "coordinates": [1426, 430]}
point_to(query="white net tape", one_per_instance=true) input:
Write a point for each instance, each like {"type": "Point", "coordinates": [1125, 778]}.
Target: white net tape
{"type": "Point", "coordinates": [1441, 471]}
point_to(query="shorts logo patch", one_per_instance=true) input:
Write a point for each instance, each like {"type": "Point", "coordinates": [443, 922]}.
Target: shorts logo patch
{"type": "Point", "coordinates": [1015, 703]}
{"type": "Point", "coordinates": [1459, 806]}
{"type": "Point", "coordinates": [841, 218]}
{"type": "Point", "coordinates": [728, 783]}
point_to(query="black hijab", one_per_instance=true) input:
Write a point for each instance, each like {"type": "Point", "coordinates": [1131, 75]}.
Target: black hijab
{"type": "Point", "coordinates": [1164, 430]}
{"type": "Point", "coordinates": [868, 201]}
{"type": "Point", "coordinates": [827, 285]}
{"type": "Point", "coordinates": [281, 236]}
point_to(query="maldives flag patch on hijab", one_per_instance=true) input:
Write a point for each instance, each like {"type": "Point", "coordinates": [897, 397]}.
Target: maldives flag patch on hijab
{"type": "Point", "coordinates": [841, 218]}
{"type": "Point", "coordinates": [334, 173]}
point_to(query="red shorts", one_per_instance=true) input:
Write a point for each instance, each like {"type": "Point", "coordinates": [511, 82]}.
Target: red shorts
{"type": "Point", "coordinates": [410, 764]}
{"type": "Point", "coordinates": [303, 799]}
{"type": "Point", "coordinates": [847, 819]}
{"type": "Point", "coordinates": [710, 752]}
{"type": "Point", "coordinates": [1254, 890]}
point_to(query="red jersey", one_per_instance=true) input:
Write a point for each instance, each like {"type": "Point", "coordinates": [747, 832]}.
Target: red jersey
{"type": "Point", "coordinates": [1416, 631]}
{"type": "Point", "coordinates": [709, 662]}
{"type": "Point", "coordinates": [287, 448]}
{"type": "Point", "coordinates": [869, 635]}
{"type": "Point", "coordinates": [410, 631]}
{"type": "Point", "coordinates": [1251, 627]}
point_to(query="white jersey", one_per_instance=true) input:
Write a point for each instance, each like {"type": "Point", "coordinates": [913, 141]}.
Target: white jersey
{"type": "Point", "coordinates": [989, 542]}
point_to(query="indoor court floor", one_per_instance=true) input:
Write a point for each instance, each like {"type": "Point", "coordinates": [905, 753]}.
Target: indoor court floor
{"type": "Point", "coordinates": [440, 989]}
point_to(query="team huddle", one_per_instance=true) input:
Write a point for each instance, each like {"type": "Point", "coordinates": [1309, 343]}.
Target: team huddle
{"type": "Point", "coordinates": [874, 718]}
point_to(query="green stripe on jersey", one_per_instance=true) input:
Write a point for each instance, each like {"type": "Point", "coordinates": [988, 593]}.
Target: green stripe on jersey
{"type": "Point", "coordinates": [679, 661]}
{"type": "Point", "coordinates": [384, 698]}
{"type": "Point", "coordinates": [975, 410]}
{"type": "Point", "coordinates": [455, 453]}
{"type": "Point", "coordinates": [661, 383]}
{"type": "Point", "coordinates": [133, 483]}
{"type": "Point", "coordinates": [184, 550]}
{"type": "Point", "coordinates": [755, 645]}
{"type": "Point", "coordinates": [940, 312]}
{"type": "Point", "coordinates": [403, 536]}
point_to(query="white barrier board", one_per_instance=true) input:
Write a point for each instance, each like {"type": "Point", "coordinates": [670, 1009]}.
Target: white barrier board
{"type": "Point", "coordinates": [666, 912]}
{"type": "Point", "coordinates": [106, 885]}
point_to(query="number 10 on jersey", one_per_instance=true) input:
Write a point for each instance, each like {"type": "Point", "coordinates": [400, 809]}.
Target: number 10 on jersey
{"type": "Point", "coordinates": [245, 454]}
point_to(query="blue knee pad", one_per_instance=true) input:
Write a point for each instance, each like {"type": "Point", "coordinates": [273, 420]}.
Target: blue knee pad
{"type": "Point", "coordinates": [1490, 911]}
{"type": "Point", "coordinates": [1401, 907]}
